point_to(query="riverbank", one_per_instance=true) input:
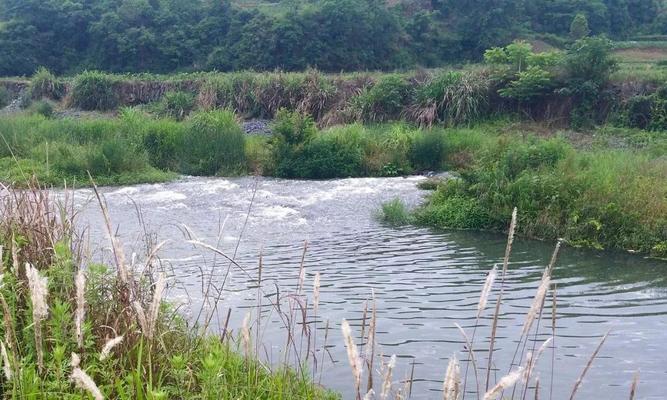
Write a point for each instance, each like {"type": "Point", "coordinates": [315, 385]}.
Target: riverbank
{"type": "Point", "coordinates": [583, 187]}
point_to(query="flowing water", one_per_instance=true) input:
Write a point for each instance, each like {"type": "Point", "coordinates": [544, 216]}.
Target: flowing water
{"type": "Point", "coordinates": [424, 281]}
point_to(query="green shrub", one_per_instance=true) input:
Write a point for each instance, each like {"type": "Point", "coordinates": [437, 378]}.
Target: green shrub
{"type": "Point", "coordinates": [44, 84]}
{"type": "Point", "coordinates": [325, 158]}
{"type": "Point", "coordinates": [639, 111]}
{"type": "Point", "coordinates": [93, 90]}
{"type": "Point", "coordinates": [427, 151]}
{"type": "Point", "coordinates": [41, 107]}
{"type": "Point", "coordinates": [383, 101]}
{"type": "Point", "coordinates": [213, 143]}
{"type": "Point", "coordinates": [394, 213]}
{"type": "Point", "coordinates": [177, 105]}
{"type": "Point", "coordinates": [162, 141]}
{"type": "Point", "coordinates": [5, 97]}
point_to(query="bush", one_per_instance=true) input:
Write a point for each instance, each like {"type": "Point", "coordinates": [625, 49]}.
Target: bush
{"type": "Point", "coordinates": [214, 143]}
{"type": "Point", "coordinates": [5, 97]}
{"type": "Point", "coordinates": [639, 111]}
{"type": "Point", "coordinates": [94, 91]}
{"type": "Point", "coordinates": [427, 151]}
{"type": "Point", "coordinates": [325, 158]}
{"type": "Point", "coordinates": [45, 85]}
{"type": "Point", "coordinates": [162, 141]}
{"type": "Point", "coordinates": [383, 101]}
{"type": "Point", "coordinates": [41, 107]}
{"type": "Point", "coordinates": [177, 105]}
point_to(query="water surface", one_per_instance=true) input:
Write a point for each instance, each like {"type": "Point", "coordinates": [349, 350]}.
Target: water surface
{"type": "Point", "coordinates": [424, 281]}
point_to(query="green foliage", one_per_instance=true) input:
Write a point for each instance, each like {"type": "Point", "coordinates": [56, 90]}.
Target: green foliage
{"type": "Point", "coordinates": [394, 213]}
{"type": "Point", "coordinates": [428, 151]}
{"type": "Point", "coordinates": [94, 91]}
{"type": "Point", "coordinates": [168, 36]}
{"type": "Point", "coordinates": [177, 105]}
{"type": "Point", "coordinates": [214, 143]}
{"type": "Point", "coordinates": [579, 27]}
{"type": "Point", "coordinates": [44, 84]}
{"type": "Point", "coordinates": [588, 198]}
{"type": "Point", "coordinates": [648, 112]}
{"type": "Point", "coordinates": [588, 67]}
{"type": "Point", "coordinates": [532, 83]}
{"type": "Point", "coordinates": [385, 100]}
{"type": "Point", "coordinates": [41, 107]}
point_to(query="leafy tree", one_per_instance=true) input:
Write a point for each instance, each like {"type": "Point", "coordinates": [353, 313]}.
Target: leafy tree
{"type": "Point", "coordinates": [579, 27]}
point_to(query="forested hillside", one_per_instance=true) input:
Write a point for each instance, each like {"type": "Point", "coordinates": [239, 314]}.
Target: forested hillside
{"type": "Point", "coordinates": [331, 35]}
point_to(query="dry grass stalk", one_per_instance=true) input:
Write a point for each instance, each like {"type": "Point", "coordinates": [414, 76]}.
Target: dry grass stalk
{"type": "Point", "coordinates": [316, 293]}
{"type": "Point", "coordinates": [369, 351]}
{"type": "Point", "coordinates": [533, 360]}
{"type": "Point", "coordinates": [472, 355]}
{"type": "Point", "coordinates": [2, 261]}
{"type": "Point", "coordinates": [141, 317]}
{"type": "Point", "coordinates": [452, 383]}
{"type": "Point", "coordinates": [537, 388]}
{"type": "Point", "coordinates": [486, 290]}
{"type": "Point", "coordinates": [510, 241]}
{"type": "Point", "coordinates": [117, 248]}
{"type": "Point", "coordinates": [633, 387]}
{"type": "Point", "coordinates": [505, 382]}
{"type": "Point", "coordinates": [82, 380]}
{"type": "Point", "coordinates": [154, 309]}
{"type": "Point", "coordinates": [352, 356]}
{"type": "Point", "coordinates": [370, 395]}
{"type": "Point", "coordinates": [6, 366]}
{"type": "Point", "coordinates": [40, 310]}
{"type": "Point", "coordinates": [80, 283]}
{"type": "Point", "coordinates": [580, 380]}
{"type": "Point", "coordinates": [108, 346]}
{"type": "Point", "coordinates": [537, 304]}
{"type": "Point", "coordinates": [386, 379]}
{"type": "Point", "coordinates": [245, 334]}
{"type": "Point", "coordinates": [7, 322]}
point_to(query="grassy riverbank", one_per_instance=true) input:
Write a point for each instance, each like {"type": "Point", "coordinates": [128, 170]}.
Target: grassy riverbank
{"type": "Point", "coordinates": [108, 332]}
{"type": "Point", "coordinates": [607, 192]}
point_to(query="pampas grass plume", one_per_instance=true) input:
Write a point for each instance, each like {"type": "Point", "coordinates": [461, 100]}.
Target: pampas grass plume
{"type": "Point", "coordinates": [106, 350]}
{"type": "Point", "coordinates": [452, 384]}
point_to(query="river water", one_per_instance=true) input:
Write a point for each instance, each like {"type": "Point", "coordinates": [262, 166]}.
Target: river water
{"type": "Point", "coordinates": [424, 281]}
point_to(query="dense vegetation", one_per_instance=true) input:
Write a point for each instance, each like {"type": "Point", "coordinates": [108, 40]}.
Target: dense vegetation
{"type": "Point", "coordinates": [331, 35]}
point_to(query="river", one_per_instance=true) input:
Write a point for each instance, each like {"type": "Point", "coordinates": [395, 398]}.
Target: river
{"type": "Point", "coordinates": [424, 281]}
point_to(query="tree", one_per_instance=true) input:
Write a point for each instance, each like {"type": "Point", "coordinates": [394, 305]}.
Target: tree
{"type": "Point", "coordinates": [579, 27]}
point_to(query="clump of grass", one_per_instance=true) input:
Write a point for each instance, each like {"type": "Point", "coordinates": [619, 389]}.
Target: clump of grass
{"type": "Point", "coordinates": [41, 107]}
{"type": "Point", "coordinates": [94, 90]}
{"type": "Point", "coordinates": [395, 213]}
{"type": "Point", "coordinates": [215, 144]}
{"type": "Point", "coordinates": [176, 105]}
{"type": "Point", "coordinates": [44, 84]}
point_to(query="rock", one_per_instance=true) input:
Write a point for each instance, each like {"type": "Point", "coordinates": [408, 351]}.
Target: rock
{"type": "Point", "coordinates": [257, 127]}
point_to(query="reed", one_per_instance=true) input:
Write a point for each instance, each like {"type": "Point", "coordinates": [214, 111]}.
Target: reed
{"type": "Point", "coordinates": [452, 384]}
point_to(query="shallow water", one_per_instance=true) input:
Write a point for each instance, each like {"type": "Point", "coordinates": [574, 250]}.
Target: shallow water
{"type": "Point", "coordinates": [424, 281]}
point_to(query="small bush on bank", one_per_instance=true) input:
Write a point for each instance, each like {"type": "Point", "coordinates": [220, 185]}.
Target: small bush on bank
{"type": "Point", "coordinates": [214, 143]}
{"type": "Point", "coordinates": [383, 101]}
{"type": "Point", "coordinates": [41, 107]}
{"type": "Point", "coordinates": [44, 84]}
{"type": "Point", "coordinates": [427, 151]}
{"type": "Point", "coordinates": [176, 105]}
{"type": "Point", "coordinates": [93, 90]}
